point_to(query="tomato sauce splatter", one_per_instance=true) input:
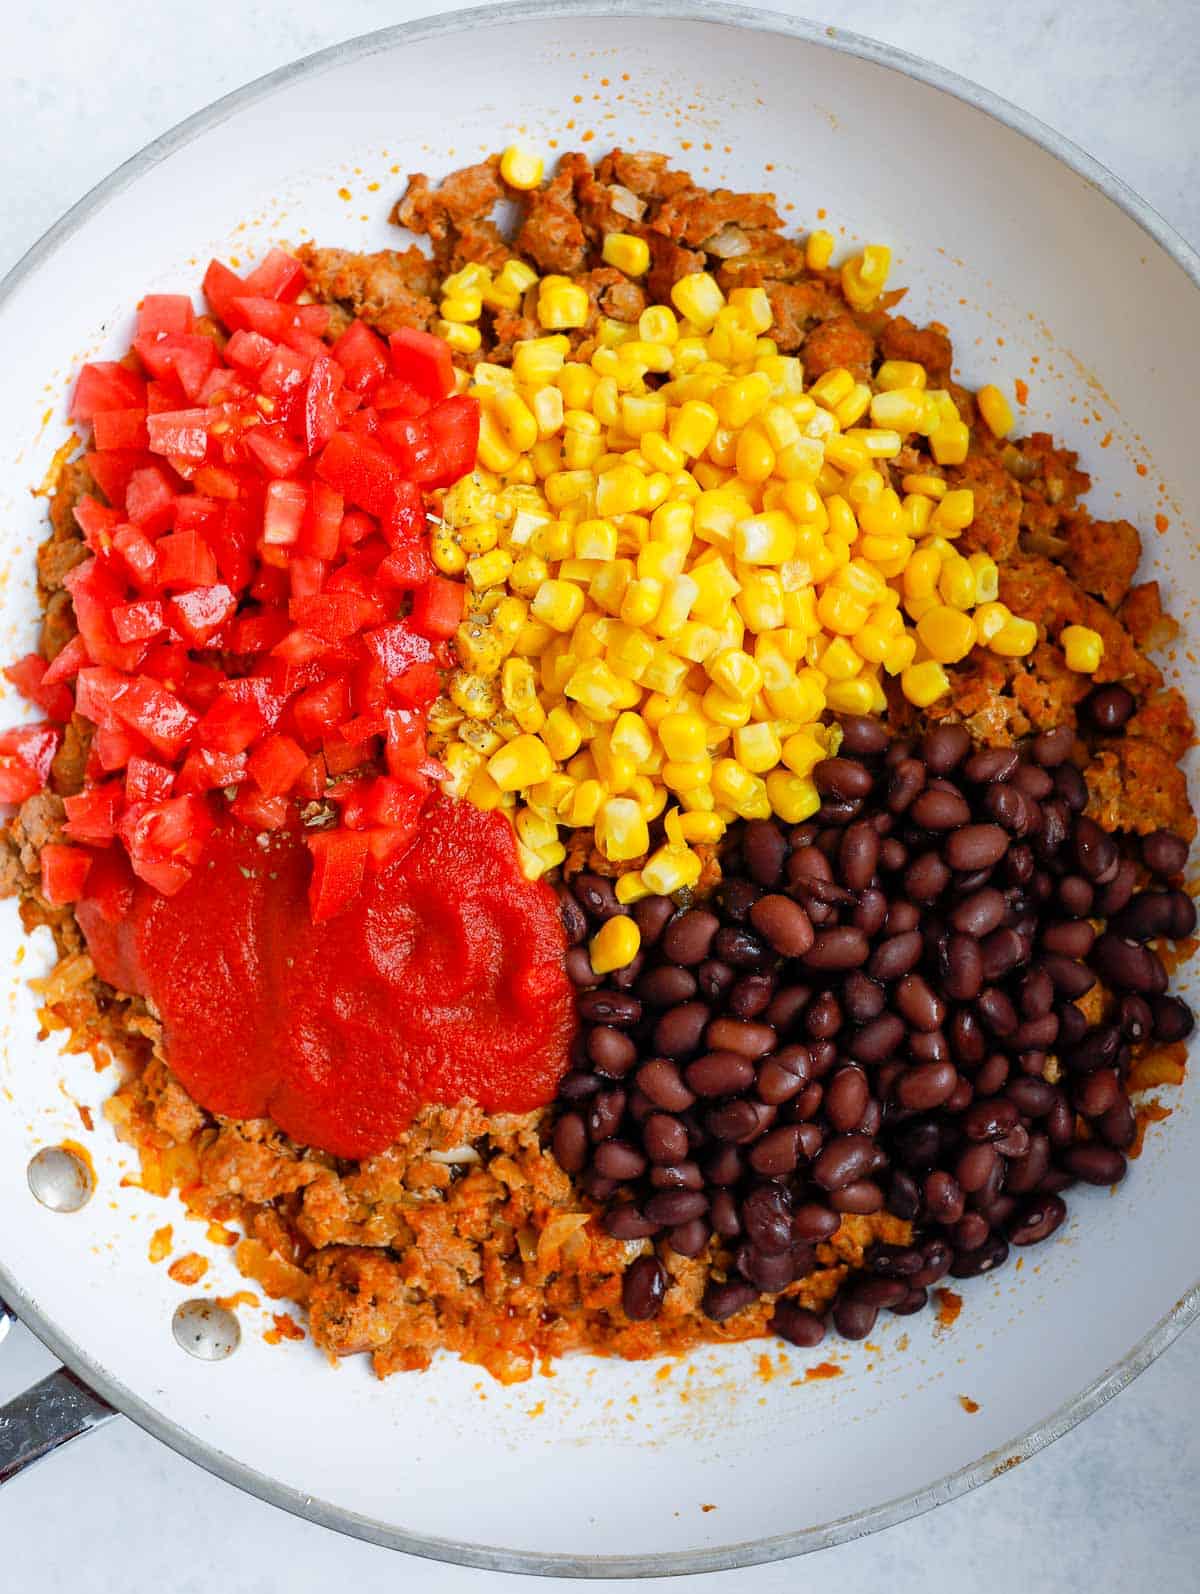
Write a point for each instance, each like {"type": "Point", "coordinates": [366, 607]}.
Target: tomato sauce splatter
{"type": "Point", "coordinates": [443, 982]}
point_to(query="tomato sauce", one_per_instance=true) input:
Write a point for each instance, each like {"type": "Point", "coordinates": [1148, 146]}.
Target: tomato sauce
{"type": "Point", "coordinates": [443, 982]}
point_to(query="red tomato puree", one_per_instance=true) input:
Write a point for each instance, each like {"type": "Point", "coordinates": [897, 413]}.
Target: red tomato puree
{"type": "Point", "coordinates": [443, 982]}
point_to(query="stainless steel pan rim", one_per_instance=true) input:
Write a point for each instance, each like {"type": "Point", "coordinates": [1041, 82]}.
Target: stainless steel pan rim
{"type": "Point", "coordinates": [780, 1546]}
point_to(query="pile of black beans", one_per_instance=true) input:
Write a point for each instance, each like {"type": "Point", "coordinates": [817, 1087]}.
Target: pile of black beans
{"type": "Point", "coordinates": [877, 1010]}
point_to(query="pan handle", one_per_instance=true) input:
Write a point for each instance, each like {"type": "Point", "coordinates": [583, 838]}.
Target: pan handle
{"type": "Point", "coordinates": [54, 1411]}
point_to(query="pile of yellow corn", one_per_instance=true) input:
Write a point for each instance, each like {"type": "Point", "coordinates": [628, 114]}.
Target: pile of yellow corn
{"type": "Point", "coordinates": [669, 585]}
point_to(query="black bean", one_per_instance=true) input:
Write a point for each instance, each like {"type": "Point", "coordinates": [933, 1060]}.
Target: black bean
{"type": "Point", "coordinates": [940, 810]}
{"type": "Point", "coordinates": [1125, 964]}
{"type": "Point", "coordinates": [858, 855]}
{"type": "Point", "coordinates": [1118, 1127]}
{"type": "Point", "coordinates": [643, 1289]}
{"type": "Point", "coordinates": [570, 1142]}
{"type": "Point", "coordinates": [896, 955]}
{"type": "Point", "coordinates": [611, 1051]}
{"type": "Point", "coordinates": [665, 1138]}
{"type": "Point", "coordinates": [843, 778]}
{"type": "Point", "coordinates": [740, 949]}
{"type": "Point", "coordinates": [1035, 1034]}
{"type": "Point", "coordinates": [1070, 785]}
{"type": "Point", "coordinates": [677, 1176]}
{"type": "Point", "coordinates": [877, 1040]}
{"type": "Point", "coordinates": [687, 939]}
{"type": "Point", "coordinates": [997, 1012]}
{"type": "Point", "coordinates": [1071, 979]}
{"type": "Point", "coordinates": [724, 1165]}
{"type": "Point", "coordinates": [907, 780]}
{"type": "Point", "coordinates": [1135, 1018]}
{"type": "Point", "coordinates": [1094, 1163]}
{"type": "Point", "coordinates": [862, 1197]}
{"type": "Point", "coordinates": [1095, 850]}
{"type": "Point", "coordinates": [652, 915]}
{"type": "Point", "coordinates": [843, 1160]}
{"type": "Point", "coordinates": [1173, 1019]}
{"type": "Point", "coordinates": [768, 1274]}
{"type": "Point", "coordinates": [968, 1044]}
{"type": "Point", "coordinates": [767, 1219]}
{"type": "Point", "coordinates": [740, 1121]}
{"type": "Point", "coordinates": [1009, 806]}
{"type": "Point", "coordinates": [751, 995]}
{"type": "Point", "coordinates": [1095, 1093]}
{"type": "Point", "coordinates": [852, 1318]}
{"type": "Point", "coordinates": [927, 1086]}
{"type": "Point", "coordinates": [1116, 894]}
{"type": "Point", "coordinates": [992, 1076]}
{"type": "Point", "coordinates": [989, 764]}
{"type": "Point", "coordinates": [604, 1114]}
{"type": "Point", "coordinates": [666, 986]}
{"type": "Point", "coordinates": [619, 1159]}
{"type": "Point", "coordinates": [720, 1073]}
{"type": "Point", "coordinates": [765, 850]}
{"type": "Point", "coordinates": [723, 1301]}
{"type": "Point", "coordinates": [1036, 1219]}
{"type": "Point", "coordinates": [1109, 707]}
{"type": "Point", "coordinates": [993, 1253]}
{"type": "Point", "coordinates": [1053, 748]}
{"type": "Point", "coordinates": [961, 968]}
{"type": "Point", "coordinates": [778, 1152]}
{"type": "Point", "coordinates": [1164, 853]}
{"type": "Point", "coordinates": [976, 1166]}
{"type": "Point", "coordinates": [681, 1030]}
{"type": "Point", "coordinates": [784, 1074]}
{"type": "Point", "coordinates": [714, 979]}
{"type": "Point", "coordinates": [864, 737]}
{"type": "Point", "coordinates": [1034, 782]}
{"type": "Point", "coordinates": [944, 747]}
{"type": "Point", "coordinates": [597, 897]}
{"type": "Point", "coordinates": [676, 1206]}
{"type": "Point", "coordinates": [784, 924]}
{"type": "Point", "coordinates": [862, 998]}
{"type": "Point", "coordinates": [846, 1097]}
{"type": "Point", "coordinates": [926, 877]}
{"type": "Point", "coordinates": [838, 949]}
{"type": "Point", "coordinates": [1076, 895]}
{"type": "Point", "coordinates": [980, 913]}
{"type": "Point", "coordinates": [578, 964]}
{"type": "Point", "coordinates": [579, 1085]}
{"type": "Point", "coordinates": [976, 847]}
{"type": "Point", "coordinates": [574, 920]}
{"type": "Point", "coordinates": [797, 1324]}
{"type": "Point", "coordinates": [689, 1239]}
{"type": "Point", "coordinates": [609, 1007]}
{"type": "Point", "coordinates": [662, 1082]}
{"type": "Point", "coordinates": [943, 1197]}
{"type": "Point", "coordinates": [628, 1222]}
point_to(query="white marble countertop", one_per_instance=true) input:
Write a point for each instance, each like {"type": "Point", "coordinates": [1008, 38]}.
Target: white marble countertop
{"type": "Point", "coordinates": [1110, 1506]}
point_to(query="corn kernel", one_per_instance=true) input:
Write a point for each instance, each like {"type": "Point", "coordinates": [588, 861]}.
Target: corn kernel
{"type": "Point", "coordinates": [793, 797]}
{"type": "Point", "coordinates": [521, 167]}
{"type": "Point", "coordinates": [522, 762]}
{"type": "Point", "coordinates": [841, 612]}
{"type": "Point", "coordinates": [489, 569]}
{"type": "Point", "coordinates": [700, 827]}
{"type": "Point", "coordinates": [682, 736]}
{"type": "Point", "coordinates": [901, 409]}
{"type": "Point", "coordinates": [698, 299]}
{"type": "Point", "coordinates": [852, 697]}
{"type": "Point", "coordinates": [671, 869]}
{"type": "Point", "coordinates": [987, 577]}
{"type": "Point", "coordinates": [631, 888]}
{"type": "Point", "coordinates": [1084, 648]}
{"type": "Point", "coordinates": [996, 410]}
{"type": "Point", "coordinates": [1015, 639]}
{"type": "Point", "coordinates": [627, 253]}
{"type": "Point", "coordinates": [558, 604]}
{"type": "Point", "coordinates": [922, 684]}
{"type": "Point", "coordinates": [621, 834]}
{"type": "Point", "coordinates": [561, 303]}
{"type": "Point", "coordinates": [757, 747]}
{"type": "Point", "coordinates": [948, 442]}
{"type": "Point", "coordinates": [537, 360]}
{"type": "Point", "coordinates": [518, 692]}
{"type": "Point", "coordinates": [818, 250]}
{"type": "Point", "coordinates": [956, 582]}
{"type": "Point", "coordinates": [736, 674]}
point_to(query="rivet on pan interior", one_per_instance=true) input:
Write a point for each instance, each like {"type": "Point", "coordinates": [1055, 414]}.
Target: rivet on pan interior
{"type": "Point", "coordinates": [206, 1330]}
{"type": "Point", "coordinates": [60, 1179]}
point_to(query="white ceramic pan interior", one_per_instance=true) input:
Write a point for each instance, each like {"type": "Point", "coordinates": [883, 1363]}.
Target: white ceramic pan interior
{"type": "Point", "coordinates": [1043, 276]}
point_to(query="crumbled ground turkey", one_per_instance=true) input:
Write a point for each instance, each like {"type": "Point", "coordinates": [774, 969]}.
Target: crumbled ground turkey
{"type": "Point", "coordinates": [467, 1235]}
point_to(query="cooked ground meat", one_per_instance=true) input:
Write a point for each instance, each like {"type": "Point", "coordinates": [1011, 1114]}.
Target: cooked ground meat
{"type": "Point", "coordinates": [391, 289]}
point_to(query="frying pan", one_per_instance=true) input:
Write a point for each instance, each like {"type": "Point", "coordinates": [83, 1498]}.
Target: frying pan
{"type": "Point", "coordinates": [1048, 270]}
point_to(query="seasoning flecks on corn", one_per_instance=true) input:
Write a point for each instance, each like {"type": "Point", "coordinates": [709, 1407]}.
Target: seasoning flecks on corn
{"type": "Point", "coordinates": [678, 556]}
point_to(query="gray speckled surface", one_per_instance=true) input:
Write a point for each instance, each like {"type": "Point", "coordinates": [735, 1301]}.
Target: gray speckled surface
{"type": "Point", "coordinates": [1109, 1507]}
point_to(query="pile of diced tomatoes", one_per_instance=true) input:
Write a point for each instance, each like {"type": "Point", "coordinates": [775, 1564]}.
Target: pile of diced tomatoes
{"type": "Point", "coordinates": [260, 626]}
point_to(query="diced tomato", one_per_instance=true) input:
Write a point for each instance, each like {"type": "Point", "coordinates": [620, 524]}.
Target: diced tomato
{"type": "Point", "coordinates": [199, 684]}
{"type": "Point", "coordinates": [401, 397]}
{"type": "Point", "coordinates": [17, 781]}
{"type": "Point", "coordinates": [150, 500]}
{"type": "Point", "coordinates": [182, 432]}
{"type": "Point", "coordinates": [186, 356]}
{"type": "Point", "coordinates": [138, 622]}
{"type": "Point", "coordinates": [231, 539]}
{"type": "Point", "coordinates": [278, 276]}
{"type": "Point", "coordinates": [112, 469]}
{"type": "Point", "coordinates": [146, 706]}
{"type": "Point", "coordinates": [356, 528]}
{"type": "Point", "coordinates": [106, 385]}
{"type": "Point", "coordinates": [334, 615]}
{"type": "Point", "coordinates": [423, 361]}
{"type": "Point", "coordinates": [113, 745]}
{"type": "Point", "coordinates": [318, 710]}
{"type": "Point", "coordinates": [66, 664]}
{"type": "Point", "coordinates": [415, 687]}
{"type": "Point", "coordinates": [264, 317]}
{"type": "Point", "coordinates": [120, 429]}
{"type": "Point", "coordinates": [363, 356]}
{"type": "Point", "coordinates": [361, 470]}
{"type": "Point", "coordinates": [28, 675]}
{"type": "Point", "coordinates": [285, 373]}
{"type": "Point", "coordinates": [200, 613]}
{"type": "Point", "coordinates": [110, 884]}
{"type": "Point", "coordinates": [257, 811]}
{"type": "Point", "coordinates": [185, 560]}
{"type": "Point", "coordinates": [363, 727]}
{"type": "Point", "coordinates": [219, 483]}
{"type": "Point", "coordinates": [146, 780]}
{"type": "Point", "coordinates": [221, 288]}
{"type": "Point", "coordinates": [92, 815]}
{"type": "Point", "coordinates": [64, 870]}
{"type": "Point", "coordinates": [34, 745]}
{"type": "Point", "coordinates": [170, 313]}
{"type": "Point", "coordinates": [258, 632]}
{"type": "Point", "coordinates": [437, 608]}
{"type": "Point", "coordinates": [339, 867]}
{"type": "Point", "coordinates": [321, 532]}
{"type": "Point", "coordinates": [96, 688]}
{"type": "Point", "coordinates": [249, 351]}
{"type": "Point", "coordinates": [406, 569]}
{"type": "Point", "coordinates": [454, 427]}
{"type": "Point", "coordinates": [411, 444]}
{"type": "Point", "coordinates": [284, 509]}
{"type": "Point", "coordinates": [165, 839]}
{"type": "Point", "coordinates": [138, 554]}
{"type": "Point", "coordinates": [204, 770]}
{"type": "Point", "coordinates": [320, 410]}
{"type": "Point", "coordinates": [276, 764]}
{"type": "Point", "coordinates": [232, 724]}
{"type": "Point", "coordinates": [307, 575]}
{"type": "Point", "coordinates": [342, 756]}
{"type": "Point", "coordinates": [405, 521]}
{"type": "Point", "coordinates": [274, 451]}
{"type": "Point", "coordinates": [94, 518]}
{"type": "Point", "coordinates": [310, 782]}
{"type": "Point", "coordinates": [397, 647]}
